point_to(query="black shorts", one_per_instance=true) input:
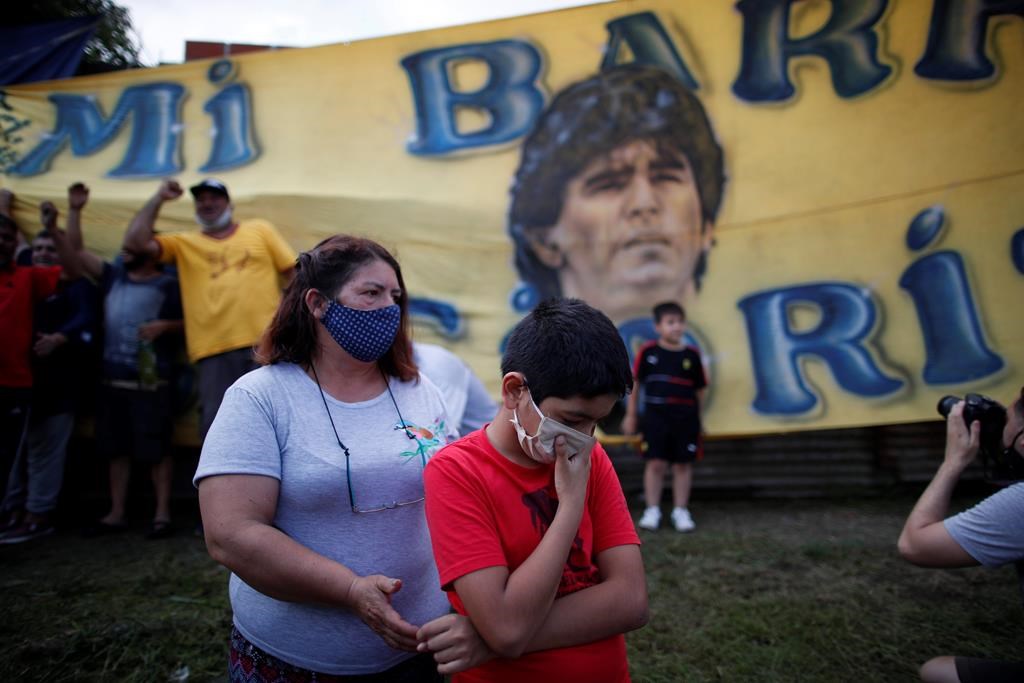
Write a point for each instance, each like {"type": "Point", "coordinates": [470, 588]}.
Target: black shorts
{"type": "Point", "coordinates": [134, 422]}
{"type": "Point", "coordinates": [216, 375]}
{"type": "Point", "coordinates": [972, 670]}
{"type": "Point", "coordinates": [673, 437]}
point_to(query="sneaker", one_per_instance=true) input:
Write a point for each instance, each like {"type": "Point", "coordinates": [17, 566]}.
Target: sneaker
{"type": "Point", "coordinates": [11, 519]}
{"type": "Point", "coordinates": [26, 532]}
{"type": "Point", "coordinates": [650, 519]}
{"type": "Point", "coordinates": [682, 520]}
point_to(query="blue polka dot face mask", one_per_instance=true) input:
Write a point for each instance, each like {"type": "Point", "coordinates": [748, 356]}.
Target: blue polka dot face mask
{"type": "Point", "coordinates": [365, 335]}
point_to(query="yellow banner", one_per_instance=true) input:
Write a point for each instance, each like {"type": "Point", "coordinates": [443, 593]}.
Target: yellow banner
{"type": "Point", "coordinates": [834, 190]}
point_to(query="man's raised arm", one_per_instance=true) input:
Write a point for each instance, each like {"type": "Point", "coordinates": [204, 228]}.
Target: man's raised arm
{"type": "Point", "coordinates": [72, 269]}
{"type": "Point", "coordinates": [90, 263]}
{"type": "Point", "coordinates": [139, 238]}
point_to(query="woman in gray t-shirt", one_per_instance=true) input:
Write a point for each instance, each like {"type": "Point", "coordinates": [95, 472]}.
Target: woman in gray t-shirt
{"type": "Point", "coordinates": [311, 489]}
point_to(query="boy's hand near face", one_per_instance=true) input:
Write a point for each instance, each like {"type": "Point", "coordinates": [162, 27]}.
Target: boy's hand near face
{"type": "Point", "coordinates": [571, 475]}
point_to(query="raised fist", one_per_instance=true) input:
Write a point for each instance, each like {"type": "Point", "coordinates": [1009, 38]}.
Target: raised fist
{"type": "Point", "coordinates": [169, 190]}
{"type": "Point", "coordinates": [78, 195]}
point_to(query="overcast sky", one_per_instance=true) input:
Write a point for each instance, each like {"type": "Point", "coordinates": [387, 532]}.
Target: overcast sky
{"type": "Point", "coordinates": [164, 26]}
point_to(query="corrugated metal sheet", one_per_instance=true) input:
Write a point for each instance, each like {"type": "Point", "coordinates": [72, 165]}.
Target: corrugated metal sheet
{"type": "Point", "coordinates": [867, 459]}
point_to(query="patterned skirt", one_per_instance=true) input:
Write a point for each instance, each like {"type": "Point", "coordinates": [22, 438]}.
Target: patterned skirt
{"type": "Point", "coordinates": [247, 663]}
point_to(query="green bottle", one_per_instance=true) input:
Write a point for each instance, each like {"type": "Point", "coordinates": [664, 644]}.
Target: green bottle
{"type": "Point", "coordinates": [148, 376]}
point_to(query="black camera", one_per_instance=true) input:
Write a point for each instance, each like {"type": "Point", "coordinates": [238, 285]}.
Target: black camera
{"type": "Point", "coordinates": [999, 464]}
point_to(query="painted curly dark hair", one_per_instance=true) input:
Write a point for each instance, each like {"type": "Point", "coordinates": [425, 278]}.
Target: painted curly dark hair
{"type": "Point", "coordinates": [590, 119]}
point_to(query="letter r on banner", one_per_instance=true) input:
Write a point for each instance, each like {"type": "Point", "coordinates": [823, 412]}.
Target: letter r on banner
{"type": "Point", "coordinates": [847, 318]}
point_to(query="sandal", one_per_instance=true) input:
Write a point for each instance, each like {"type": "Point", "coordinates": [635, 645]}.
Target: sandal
{"type": "Point", "coordinates": [159, 528]}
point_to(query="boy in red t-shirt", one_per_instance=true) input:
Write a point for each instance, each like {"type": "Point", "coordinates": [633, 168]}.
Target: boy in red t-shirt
{"type": "Point", "coordinates": [531, 533]}
{"type": "Point", "coordinates": [672, 376]}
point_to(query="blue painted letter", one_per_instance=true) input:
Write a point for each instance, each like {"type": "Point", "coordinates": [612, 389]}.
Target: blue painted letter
{"type": "Point", "coordinates": [441, 314]}
{"type": "Point", "coordinates": [956, 38]}
{"type": "Point", "coordinates": [510, 97]}
{"type": "Point", "coordinates": [153, 149]}
{"type": "Point", "coordinates": [648, 42]}
{"type": "Point", "coordinates": [847, 42]}
{"type": "Point", "coordinates": [233, 143]}
{"type": "Point", "coordinates": [954, 345]}
{"type": "Point", "coordinates": [847, 318]}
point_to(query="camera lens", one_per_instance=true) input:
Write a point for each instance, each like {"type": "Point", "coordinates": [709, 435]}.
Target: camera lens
{"type": "Point", "coordinates": [946, 404]}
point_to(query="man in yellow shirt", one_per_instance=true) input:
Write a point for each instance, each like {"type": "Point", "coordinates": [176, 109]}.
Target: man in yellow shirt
{"type": "Point", "coordinates": [230, 273]}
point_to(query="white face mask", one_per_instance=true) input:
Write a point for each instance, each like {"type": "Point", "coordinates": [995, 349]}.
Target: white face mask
{"type": "Point", "coordinates": [219, 223]}
{"type": "Point", "coordinates": [541, 446]}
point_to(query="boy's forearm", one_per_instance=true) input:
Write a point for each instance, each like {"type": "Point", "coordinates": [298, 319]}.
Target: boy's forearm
{"type": "Point", "coordinates": [509, 619]}
{"type": "Point", "coordinates": [615, 605]}
{"type": "Point", "coordinates": [587, 616]}
{"type": "Point", "coordinates": [532, 587]}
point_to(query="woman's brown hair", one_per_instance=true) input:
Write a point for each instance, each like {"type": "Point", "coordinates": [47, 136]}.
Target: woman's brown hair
{"type": "Point", "coordinates": [291, 336]}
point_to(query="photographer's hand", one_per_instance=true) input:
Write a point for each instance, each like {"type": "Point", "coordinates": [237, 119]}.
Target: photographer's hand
{"type": "Point", "coordinates": [962, 444]}
{"type": "Point", "coordinates": [924, 540]}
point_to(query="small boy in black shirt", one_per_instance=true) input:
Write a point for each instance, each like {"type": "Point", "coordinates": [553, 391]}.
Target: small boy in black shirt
{"type": "Point", "coordinates": [672, 376]}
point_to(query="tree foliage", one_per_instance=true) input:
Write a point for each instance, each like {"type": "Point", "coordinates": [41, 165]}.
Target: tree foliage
{"type": "Point", "coordinates": [115, 45]}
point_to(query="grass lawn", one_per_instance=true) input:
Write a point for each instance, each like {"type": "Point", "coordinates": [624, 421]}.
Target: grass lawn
{"type": "Point", "coordinates": [808, 590]}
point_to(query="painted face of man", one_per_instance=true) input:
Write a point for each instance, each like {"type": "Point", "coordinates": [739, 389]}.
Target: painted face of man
{"type": "Point", "coordinates": [631, 231]}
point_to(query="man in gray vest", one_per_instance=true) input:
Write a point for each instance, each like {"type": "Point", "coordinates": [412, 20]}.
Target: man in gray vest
{"type": "Point", "coordinates": [991, 533]}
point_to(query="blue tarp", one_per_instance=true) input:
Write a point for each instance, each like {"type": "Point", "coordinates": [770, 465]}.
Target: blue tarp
{"type": "Point", "coordinates": [43, 52]}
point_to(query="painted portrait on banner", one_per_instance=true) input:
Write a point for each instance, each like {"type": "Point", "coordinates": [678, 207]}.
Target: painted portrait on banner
{"type": "Point", "coordinates": [616, 195]}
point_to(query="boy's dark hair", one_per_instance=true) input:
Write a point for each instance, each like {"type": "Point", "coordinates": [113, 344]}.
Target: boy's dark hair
{"type": "Point", "coordinates": [566, 348]}
{"type": "Point", "coordinates": [668, 308]}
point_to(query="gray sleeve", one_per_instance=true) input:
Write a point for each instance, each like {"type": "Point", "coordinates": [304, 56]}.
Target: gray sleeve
{"type": "Point", "coordinates": [992, 532]}
{"type": "Point", "coordinates": [242, 439]}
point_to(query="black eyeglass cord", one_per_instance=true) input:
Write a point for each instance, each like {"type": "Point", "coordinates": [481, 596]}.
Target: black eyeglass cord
{"type": "Point", "coordinates": [344, 448]}
{"type": "Point", "coordinates": [323, 398]}
{"type": "Point", "coordinates": [387, 385]}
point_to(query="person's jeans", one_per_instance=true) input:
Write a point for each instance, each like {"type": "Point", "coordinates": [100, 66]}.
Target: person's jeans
{"type": "Point", "coordinates": [14, 413]}
{"type": "Point", "coordinates": [216, 375]}
{"type": "Point", "coordinates": [38, 472]}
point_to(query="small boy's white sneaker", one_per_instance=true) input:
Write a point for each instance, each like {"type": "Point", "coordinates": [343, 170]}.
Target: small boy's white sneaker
{"type": "Point", "coordinates": [650, 519]}
{"type": "Point", "coordinates": [682, 520]}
